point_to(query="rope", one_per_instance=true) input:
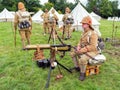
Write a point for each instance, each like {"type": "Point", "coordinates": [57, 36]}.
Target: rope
{"type": "Point", "coordinates": [38, 54]}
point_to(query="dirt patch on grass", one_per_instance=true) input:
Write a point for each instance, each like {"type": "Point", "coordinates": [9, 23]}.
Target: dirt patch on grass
{"type": "Point", "coordinates": [116, 45]}
{"type": "Point", "coordinates": [113, 53]}
{"type": "Point", "coordinates": [2, 75]}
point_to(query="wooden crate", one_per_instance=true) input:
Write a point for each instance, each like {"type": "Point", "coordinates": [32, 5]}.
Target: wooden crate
{"type": "Point", "coordinates": [90, 70]}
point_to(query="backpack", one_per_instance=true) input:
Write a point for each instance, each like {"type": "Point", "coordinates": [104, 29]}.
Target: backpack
{"type": "Point", "coordinates": [100, 45]}
{"type": "Point", "coordinates": [24, 22]}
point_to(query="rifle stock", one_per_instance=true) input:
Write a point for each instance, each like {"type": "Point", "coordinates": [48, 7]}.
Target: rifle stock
{"type": "Point", "coordinates": [63, 32]}
{"type": "Point", "coordinates": [15, 37]}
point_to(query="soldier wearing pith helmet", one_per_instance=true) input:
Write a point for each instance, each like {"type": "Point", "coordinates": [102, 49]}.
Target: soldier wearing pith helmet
{"type": "Point", "coordinates": [45, 16]}
{"type": "Point", "coordinates": [24, 22]}
{"type": "Point", "coordinates": [52, 22]}
{"type": "Point", "coordinates": [86, 46]}
{"type": "Point", "coordinates": [68, 21]}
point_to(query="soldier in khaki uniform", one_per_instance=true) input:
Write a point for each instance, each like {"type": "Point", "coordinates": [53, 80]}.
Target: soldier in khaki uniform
{"type": "Point", "coordinates": [52, 22]}
{"type": "Point", "coordinates": [67, 24]}
{"type": "Point", "coordinates": [87, 44]}
{"type": "Point", "coordinates": [24, 22]}
{"type": "Point", "coordinates": [45, 17]}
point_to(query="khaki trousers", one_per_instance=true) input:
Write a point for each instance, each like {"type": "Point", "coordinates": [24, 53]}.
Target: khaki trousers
{"type": "Point", "coordinates": [53, 28]}
{"type": "Point", "coordinates": [25, 34]}
{"type": "Point", "coordinates": [68, 30]}
{"type": "Point", "coordinates": [81, 60]}
{"type": "Point", "coordinates": [46, 26]}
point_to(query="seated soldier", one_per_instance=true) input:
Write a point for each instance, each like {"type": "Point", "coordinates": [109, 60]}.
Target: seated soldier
{"type": "Point", "coordinates": [86, 46]}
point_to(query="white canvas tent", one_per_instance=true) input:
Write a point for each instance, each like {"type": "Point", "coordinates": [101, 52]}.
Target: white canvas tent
{"type": "Point", "coordinates": [37, 17]}
{"type": "Point", "coordinates": [97, 17]}
{"type": "Point", "coordinates": [113, 19]}
{"type": "Point", "coordinates": [5, 15]}
{"type": "Point", "coordinates": [78, 13]}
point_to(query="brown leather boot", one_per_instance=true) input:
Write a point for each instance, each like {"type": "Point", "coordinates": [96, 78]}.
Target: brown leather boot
{"type": "Point", "coordinates": [82, 76]}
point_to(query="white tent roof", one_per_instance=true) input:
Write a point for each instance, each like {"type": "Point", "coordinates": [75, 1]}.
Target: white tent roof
{"type": "Point", "coordinates": [5, 14]}
{"type": "Point", "coordinates": [97, 17]}
{"type": "Point", "coordinates": [37, 17]}
{"type": "Point", "coordinates": [79, 13]}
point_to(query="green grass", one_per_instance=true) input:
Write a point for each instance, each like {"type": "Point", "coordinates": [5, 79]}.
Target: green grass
{"type": "Point", "coordinates": [19, 72]}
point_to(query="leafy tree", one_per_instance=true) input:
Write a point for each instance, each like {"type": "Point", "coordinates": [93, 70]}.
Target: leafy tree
{"type": "Point", "coordinates": [31, 5]}
{"type": "Point", "coordinates": [47, 6]}
{"type": "Point", "coordinates": [52, 1]}
{"type": "Point", "coordinates": [104, 8]}
{"type": "Point", "coordinates": [115, 10]}
{"type": "Point", "coordinates": [5, 4]}
{"type": "Point", "coordinates": [62, 5]}
{"type": "Point", "coordinates": [93, 5]}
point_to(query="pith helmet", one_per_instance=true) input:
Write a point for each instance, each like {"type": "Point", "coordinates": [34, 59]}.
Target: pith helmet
{"type": "Point", "coordinates": [67, 9]}
{"type": "Point", "coordinates": [87, 20]}
{"type": "Point", "coordinates": [21, 6]}
{"type": "Point", "coordinates": [46, 10]}
{"type": "Point", "coordinates": [53, 11]}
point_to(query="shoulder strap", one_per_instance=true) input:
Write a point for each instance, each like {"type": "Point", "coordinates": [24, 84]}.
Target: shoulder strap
{"type": "Point", "coordinates": [19, 14]}
{"type": "Point", "coordinates": [90, 57]}
{"type": "Point", "coordinates": [89, 35]}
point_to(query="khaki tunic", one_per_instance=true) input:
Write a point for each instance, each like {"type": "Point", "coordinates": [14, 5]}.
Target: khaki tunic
{"type": "Point", "coordinates": [45, 17]}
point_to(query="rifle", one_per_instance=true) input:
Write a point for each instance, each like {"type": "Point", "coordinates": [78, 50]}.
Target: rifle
{"type": "Point", "coordinates": [14, 33]}
{"type": "Point", "coordinates": [63, 32]}
{"type": "Point", "coordinates": [15, 37]}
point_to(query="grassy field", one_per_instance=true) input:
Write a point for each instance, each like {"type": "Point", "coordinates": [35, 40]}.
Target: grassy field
{"type": "Point", "coordinates": [19, 72]}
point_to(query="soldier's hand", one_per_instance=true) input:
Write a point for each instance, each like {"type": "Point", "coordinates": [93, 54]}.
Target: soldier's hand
{"type": "Point", "coordinates": [78, 48]}
{"type": "Point", "coordinates": [30, 28]}
{"type": "Point", "coordinates": [78, 52]}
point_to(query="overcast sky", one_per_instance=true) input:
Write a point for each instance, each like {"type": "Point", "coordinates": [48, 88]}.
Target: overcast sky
{"type": "Point", "coordinates": [84, 2]}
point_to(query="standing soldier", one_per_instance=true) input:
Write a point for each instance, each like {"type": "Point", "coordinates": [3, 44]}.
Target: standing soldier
{"type": "Point", "coordinates": [52, 22]}
{"type": "Point", "coordinates": [68, 21]}
{"type": "Point", "coordinates": [86, 48]}
{"type": "Point", "coordinates": [45, 17]}
{"type": "Point", "coordinates": [24, 22]}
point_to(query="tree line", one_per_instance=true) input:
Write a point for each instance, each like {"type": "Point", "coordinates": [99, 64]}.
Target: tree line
{"type": "Point", "coordinates": [104, 8]}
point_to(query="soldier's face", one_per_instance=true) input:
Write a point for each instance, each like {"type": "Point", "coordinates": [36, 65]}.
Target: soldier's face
{"type": "Point", "coordinates": [85, 25]}
{"type": "Point", "coordinates": [46, 11]}
{"type": "Point", "coordinates": [67, 10]}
